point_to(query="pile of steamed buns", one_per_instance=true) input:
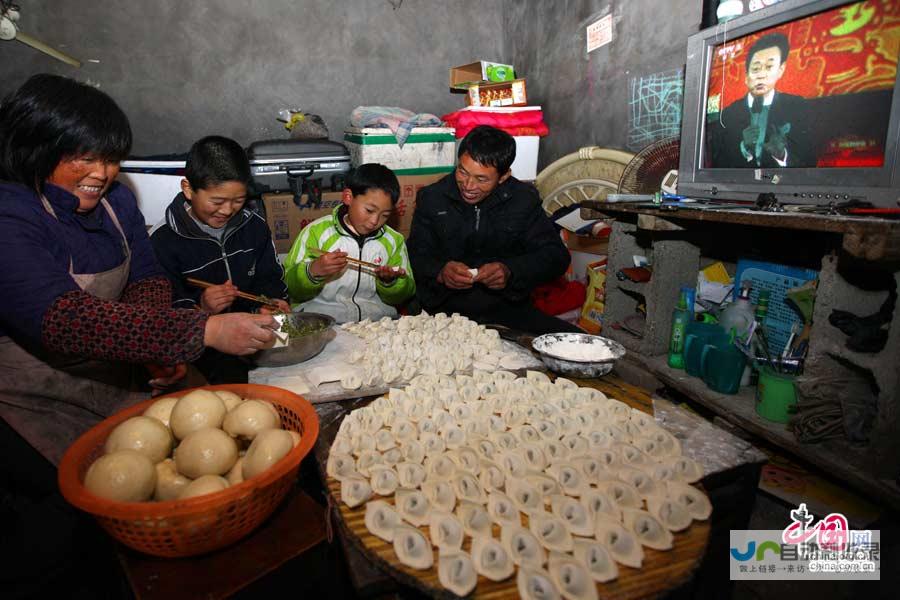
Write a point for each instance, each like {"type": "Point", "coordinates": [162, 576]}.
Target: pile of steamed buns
{"type": "Point", "coordinates": [200, 443]}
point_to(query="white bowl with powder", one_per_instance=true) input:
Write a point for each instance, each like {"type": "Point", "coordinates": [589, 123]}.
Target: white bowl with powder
{"type": "Point", "coordinates": [578, 354]}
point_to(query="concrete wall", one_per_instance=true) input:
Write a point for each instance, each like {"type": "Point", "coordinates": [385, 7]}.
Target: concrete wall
{"type": "Point", "coordinates": [592, 99]}
{"type": "Point", "coordinates": [184, 69]}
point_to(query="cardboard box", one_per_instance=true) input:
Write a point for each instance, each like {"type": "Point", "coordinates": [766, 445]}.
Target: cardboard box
{"type": "Point", "coordinates": [410, 185]}
{"type": "Point", "coordinates": [481, 71]}
{"type": "Point", "coordinates": [510, 93]}
{"type": "Point", "coordinates": [584, 243]}
{"type": "Point", "coordinates": [286, 219]}
{"type": "Point", "coordinates": [425, 147]}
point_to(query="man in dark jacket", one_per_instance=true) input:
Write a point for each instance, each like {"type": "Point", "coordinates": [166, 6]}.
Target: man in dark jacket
{"type": "Point", "coordinates": [480, 241]}
{"type": "Point", "coordinates": [208, 234]}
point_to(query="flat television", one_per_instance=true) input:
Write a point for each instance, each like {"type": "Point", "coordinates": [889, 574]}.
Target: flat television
{"type": "Point", "coordinates": [799, 99]}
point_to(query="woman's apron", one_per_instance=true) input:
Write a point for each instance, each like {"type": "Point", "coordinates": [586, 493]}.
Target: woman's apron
{"type": "Point", "coordinates": [51, 401]}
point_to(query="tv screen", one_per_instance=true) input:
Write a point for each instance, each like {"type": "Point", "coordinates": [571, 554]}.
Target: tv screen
{"type": "Point", "coordinates": [813, 92]}
{"type": "Point", "coordinates": [798, 100]}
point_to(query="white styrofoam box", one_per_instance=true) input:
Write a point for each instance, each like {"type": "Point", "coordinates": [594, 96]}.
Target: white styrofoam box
{"type": "Point", "coordinates": [426, 147]}
{"type": "Point", "coordinates": [525, 165]}
{"type": "Point", "coordinates": [154, 183]}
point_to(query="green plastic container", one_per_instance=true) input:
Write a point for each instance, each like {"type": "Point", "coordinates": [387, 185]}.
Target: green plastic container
{"type": "Point", "coordinates": [698, 335]}
{"type": "Point", "coordinates": [722, 368]}
{"type": "Point", "coordinates": [776, 395]}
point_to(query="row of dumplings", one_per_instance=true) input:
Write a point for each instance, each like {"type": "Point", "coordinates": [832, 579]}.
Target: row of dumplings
{"type": "Point", "coordinates": [463, 454]}
{"type": "Point", "coordinates": [400, 349]}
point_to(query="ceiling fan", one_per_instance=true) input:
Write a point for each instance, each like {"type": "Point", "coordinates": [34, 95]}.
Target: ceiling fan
{"type": "Point", "coordinates": [9, 30]}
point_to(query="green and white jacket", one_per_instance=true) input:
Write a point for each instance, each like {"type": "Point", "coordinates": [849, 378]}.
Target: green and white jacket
{"type": "Point", "coordinates": [353, 294]}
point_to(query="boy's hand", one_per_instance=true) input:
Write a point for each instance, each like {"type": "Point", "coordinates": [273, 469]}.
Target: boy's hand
{"type": "Point", "coordinates": [217, 298]}
{"type": "Point", "coordinates": [493, 275]}
{"type": "Point", "coordinates": [456, 276]}
{"type": "Point", "coordinates": [389, 274]}
{"type": "Point", "coordinates": [328, 264]}
{"type": "Point", "coordinates": [283, 307]}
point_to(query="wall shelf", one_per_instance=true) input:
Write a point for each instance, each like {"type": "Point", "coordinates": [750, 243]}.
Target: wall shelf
{"type": "Point", "coordinates": [837, 458]}
{"type": "Point", "coordinates": [848, 253]}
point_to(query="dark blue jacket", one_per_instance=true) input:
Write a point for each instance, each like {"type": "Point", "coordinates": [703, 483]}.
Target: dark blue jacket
{"type": "Point", "coordinates": [35, 250]}
{"type": "Point", "coordinates": [509, 226]}
{"type": "Point", "coordinates": [246, 255]}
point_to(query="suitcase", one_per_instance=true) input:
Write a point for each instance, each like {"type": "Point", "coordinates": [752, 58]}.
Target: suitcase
{"type": "Point", "coordinates": [298, 166]}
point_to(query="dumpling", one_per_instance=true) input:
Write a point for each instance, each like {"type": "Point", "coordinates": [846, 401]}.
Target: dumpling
{"type": "Point", "coordinates": [491, 559]}
{"type": "Point", "coordinates": [574, 515]}
{"type": "Point", "coordinates": [475, 520]}
{"type": "Point", "coordinates": [340, 466]}
{"type": "Point", "coordinates": [686, 469]}
{"type": "Point", "coordinates": [593, 469]}
{"type": "Point", "coordinates": [384, 440]}
{"type": "Point", "coordinates": [351, 381]}
{"type": "Point", "coordinates": [535, 584]}
{"type": "Point", "coordinates": [647, 528]}
{"type": "Point", "coordinates": [513, 465]}
{"type": "Point", "coordinates": [502, 510]}
{"type": "Point", "coordinates": [534, 457]}
{"type": "Point", "coordinates": [412, 549]}
{"type": "Point", "coordinates": [522, 545]}
{"type": "Point", "coordinates": [404, 430]}
{"type": "Point", "coordinates": [569, 477]}
{"type": "Point", "coordinates": [537, 377]}
{"type": "Point", "coordinates": [642, 482]}
{"type": "Point", "coordinates": [413, 451]}
{"type": "Point", "coordinates": [440, 466]}
{"type": "Point", "coordinates": [524, 495]}
{"type": "Point", "coordinates": [456, 572]}
{"type": "Point", "coordinates": [467, 487]}
{"type": "Point", "coordinates": [383, 480]}
{"type": "Point", "coordinates": [381, 519]}
{"type": "Point", "coordinates": [622, 544]}
{"type": "Point", "coordinates": [413, 506]}
{"type": "Point", "coordinates": [446, 531]}
{"type": "Point", "coordinates": [491, 476]}
{"type": "Point", "coordinates": [596, 559]}
{"type": "Point", "coordinates": [411, 475]}
{"type": "Point", "coordinates": [550, 531]}
{"type": "Point", "coordinates": [355, 491]}
{"type": "Point", "coordinates": [691, 498]}
{"type": "Point", "coordinates": [440, 493]}
{"type": "Point", "coordinates": [623, 494]}
{"type": "Point", "coordinates": [600, 505]}
{"type": "Point", "coordinates": [545, 484]}
{"type": "Point", "coordinates": [392, 457]}
{"type": "Point", "coordinates": [466, 460]}
{"type": "Point", "coordinates": [571, 577]}
{"type": "Point", "coordinates": [673, 516]}
{"type": "Point", "coordinates": [453, 436]}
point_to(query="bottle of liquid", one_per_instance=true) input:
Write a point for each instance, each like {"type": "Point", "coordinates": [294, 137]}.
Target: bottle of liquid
{"type": "Point", "coordinates": [762, 310]}
{"type": "Point", "coordinates": [681, 316]}
{"type": "Point", "coordinates": [738, 317]}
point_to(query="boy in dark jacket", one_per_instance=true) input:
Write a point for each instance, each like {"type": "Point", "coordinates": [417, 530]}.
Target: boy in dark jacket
{"type": "Point", "coordinates": [208, 234]}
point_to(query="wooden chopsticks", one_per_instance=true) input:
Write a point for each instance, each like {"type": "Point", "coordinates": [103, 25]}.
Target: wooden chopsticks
{"type": "Point", "coordinates": [205, 284]}
{"type": "Point", "coordinates": [354, 261]}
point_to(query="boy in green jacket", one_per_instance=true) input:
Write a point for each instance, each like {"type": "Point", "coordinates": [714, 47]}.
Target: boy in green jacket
{"type": "Point", "coordinates": [317, 271]}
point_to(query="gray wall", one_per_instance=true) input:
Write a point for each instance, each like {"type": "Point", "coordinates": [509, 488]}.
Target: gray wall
{"type": "Point", "coordinates": [624, 95]}
{"type": "Point", "coordinates": [182, 69]}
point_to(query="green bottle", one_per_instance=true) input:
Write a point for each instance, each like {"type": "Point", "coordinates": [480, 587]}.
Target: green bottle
{"type": "Point", "coordinates": [681, 316]}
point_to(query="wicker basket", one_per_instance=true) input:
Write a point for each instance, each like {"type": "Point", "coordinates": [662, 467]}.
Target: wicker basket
{"type": "Point", "coordinates": [194, 525]}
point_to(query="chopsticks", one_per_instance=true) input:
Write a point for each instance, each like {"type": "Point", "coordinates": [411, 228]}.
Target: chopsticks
{"type": "Point", "coordinates": [205, 284]}
{"type": "Point", "coordinates": [354, 261]}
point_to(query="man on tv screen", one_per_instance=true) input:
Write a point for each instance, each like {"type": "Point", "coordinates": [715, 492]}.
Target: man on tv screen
{"type": "Point", "coordinates": [766, 128]}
